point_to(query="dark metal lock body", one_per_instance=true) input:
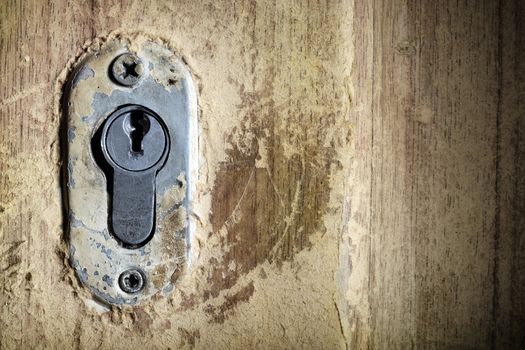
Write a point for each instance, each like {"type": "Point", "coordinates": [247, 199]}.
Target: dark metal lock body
{"type": "Point", "coordinates": [131, 145]}
{"type": "Point", "coordinates": [135, 144]}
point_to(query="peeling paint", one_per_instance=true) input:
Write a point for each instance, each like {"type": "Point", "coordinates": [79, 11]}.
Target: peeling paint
{"type": "Point", "coordinates": [83, 74]}
{"type": "Point", "coordinates": [70, 134]}
{"type": "Point", "coordinates": [108, 280]}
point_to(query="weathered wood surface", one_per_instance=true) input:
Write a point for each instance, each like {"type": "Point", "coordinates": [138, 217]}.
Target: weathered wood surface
{"type": "Point", "coordinates": [362, 181]}
{"type": "Point", "coordinates": [436, 185]}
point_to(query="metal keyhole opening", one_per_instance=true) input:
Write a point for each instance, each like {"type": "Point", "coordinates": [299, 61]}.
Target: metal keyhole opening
{"type": "Point", "coordinates": [138, 126]}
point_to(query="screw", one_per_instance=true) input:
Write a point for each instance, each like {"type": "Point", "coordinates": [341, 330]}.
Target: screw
{"type": "Point", "coordinates": [127, 69]}
{"type": "Point", "coordinates": [131, 281]}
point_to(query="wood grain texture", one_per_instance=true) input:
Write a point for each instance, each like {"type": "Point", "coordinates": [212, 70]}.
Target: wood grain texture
{"type": "Point", "coordinates": [362, 182]}
{"type": "Point", "coordinates": [440, 125]}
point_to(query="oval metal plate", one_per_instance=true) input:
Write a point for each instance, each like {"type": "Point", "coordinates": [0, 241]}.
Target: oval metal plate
{"type": "Point", "coordinates": [91, 96]}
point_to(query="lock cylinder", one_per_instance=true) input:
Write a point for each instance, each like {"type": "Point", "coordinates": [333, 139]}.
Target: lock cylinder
{"type": "Point", "coordinates": [135, 144]}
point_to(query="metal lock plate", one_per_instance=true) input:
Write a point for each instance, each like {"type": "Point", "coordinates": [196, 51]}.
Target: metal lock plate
{"type": "Point", "coordinates": [131, 134]}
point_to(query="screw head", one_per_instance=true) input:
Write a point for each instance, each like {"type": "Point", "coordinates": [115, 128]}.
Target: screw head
{"type": "Point", "coordinates": [131, 281]}
{"type": "Point", "coordinates": [127, 69]}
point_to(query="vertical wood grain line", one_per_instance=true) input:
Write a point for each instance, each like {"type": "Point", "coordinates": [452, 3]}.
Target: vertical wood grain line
{"type": "Point", "coordinates": [497, 184]}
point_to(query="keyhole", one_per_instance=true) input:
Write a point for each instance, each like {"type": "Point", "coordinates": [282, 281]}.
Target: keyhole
{"type": "Point", "coordinates": [138, 128]}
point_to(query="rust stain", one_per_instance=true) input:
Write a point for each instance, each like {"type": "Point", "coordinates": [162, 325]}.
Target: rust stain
{"type": "Point", "coordinates": [219, 313]}
{"type": "Point", "coordinates": [142, 321]}
{"type": "Point", "coordinates": [187, 302]}
{"type": "Point", "coordinates": [173, 224]}
{"type": "Point", "coordinates": [269, 211]}
{"type": "Point", "coordinates": [188, 337]}
{"type": "Point", "coordinates": [158, 275]}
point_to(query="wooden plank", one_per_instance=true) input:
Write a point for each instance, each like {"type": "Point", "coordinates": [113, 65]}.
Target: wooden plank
{"type": "Point", "coordinates": [273, 104]}
{"type": "Point", "coordinates": [362, 180]}
{"type": "Point", "coordinates": [436, 229]}
{"type": "Point", "coordinates": [509, 283]}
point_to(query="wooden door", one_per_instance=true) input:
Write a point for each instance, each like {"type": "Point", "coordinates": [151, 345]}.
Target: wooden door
{"type": "Point", "coordinates": [361, 181]}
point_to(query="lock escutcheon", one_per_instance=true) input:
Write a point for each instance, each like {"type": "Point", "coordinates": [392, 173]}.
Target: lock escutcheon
{"type": "Point", "coordinates": [125, 188]}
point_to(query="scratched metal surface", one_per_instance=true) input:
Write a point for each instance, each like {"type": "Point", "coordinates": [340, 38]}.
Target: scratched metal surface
{"type": "Point", "coordinates": [167, 88]}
